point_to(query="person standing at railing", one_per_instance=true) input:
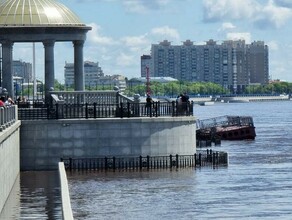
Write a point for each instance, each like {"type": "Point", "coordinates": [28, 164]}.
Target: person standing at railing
{"type": "Point", "coordinates": [185, 100]}
{"type": "Point", "coordinates": [9, 101]}
{"type": "Point", "coordinates": [179, 104]}
{"type": "Point", "coordinates": [149, 102]}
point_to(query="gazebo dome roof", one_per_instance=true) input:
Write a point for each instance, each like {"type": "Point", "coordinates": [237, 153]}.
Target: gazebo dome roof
{"type": "Point", "coordinates": [36, 13]}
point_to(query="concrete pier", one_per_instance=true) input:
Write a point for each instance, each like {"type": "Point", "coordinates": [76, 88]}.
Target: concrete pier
{"type": "Point", "coordinates": [44, 142]}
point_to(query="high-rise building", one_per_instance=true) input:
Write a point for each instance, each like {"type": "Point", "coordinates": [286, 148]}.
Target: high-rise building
{"type": "Point", "coordinates": [232, 64]}
{"type": "Point", "coordinates": [146, 62]}
{"type": "Point", "coordinates": [258, 62]}
{"type": "Point", "coordinates": [92, 72]}
{"type": "Point", "coordinates": [23, 70]}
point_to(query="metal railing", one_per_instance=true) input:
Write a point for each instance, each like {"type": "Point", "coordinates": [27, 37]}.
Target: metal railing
{"type": "Point", "coordinates": [95, 110]}
{"type": "Point", "coordinates": [90, 97]}
{"type": "Point", "coordinates": [199, 159]}
{"type": "Point", "coordinates": [8, 115]}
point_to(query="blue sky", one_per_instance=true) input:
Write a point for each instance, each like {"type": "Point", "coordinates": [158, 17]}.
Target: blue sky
{"type": "Point", "coordinates": [123, 30]}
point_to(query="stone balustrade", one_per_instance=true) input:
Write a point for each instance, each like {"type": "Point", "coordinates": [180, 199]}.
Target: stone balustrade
{"type": "Point", "coordinates": [8, 115]}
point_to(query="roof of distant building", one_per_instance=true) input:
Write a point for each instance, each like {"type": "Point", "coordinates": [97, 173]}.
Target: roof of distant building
{"type": "Point", "coordinates": [156, 79]}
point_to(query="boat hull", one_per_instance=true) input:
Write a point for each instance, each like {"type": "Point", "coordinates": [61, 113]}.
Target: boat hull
{"type": "Point", "coordinates": [237, 133]}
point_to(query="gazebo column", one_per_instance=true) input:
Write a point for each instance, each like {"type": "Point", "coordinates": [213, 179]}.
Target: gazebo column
{"type": "Point", "coordinates": [78, 65]}
{"type": "Point", "coordinates": [7, 60]}
{"type": "Point", "coordinates": [49, 68]}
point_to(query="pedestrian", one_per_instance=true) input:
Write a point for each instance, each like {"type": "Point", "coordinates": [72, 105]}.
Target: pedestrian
{"type": "Point", "coordinates": [9, 101]}
{"type": "Point", "coordinates": [2, 101]}
{"type": "Point", "coordinates": [185, 102]}
{"type": "Point", "coordinates": [149, 102]}
{"type": "Point", "coordinates": [179, 104]}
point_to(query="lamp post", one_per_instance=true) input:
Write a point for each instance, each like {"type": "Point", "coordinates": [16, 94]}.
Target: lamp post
{"type": "Point", "coordinates": [22, 87]}
{"type": "Point", "coordinates": [28, 90]}
{"type": "Point", "coordinates": [40, 88]}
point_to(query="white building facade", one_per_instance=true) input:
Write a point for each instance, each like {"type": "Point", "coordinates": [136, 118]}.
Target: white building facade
{"type": "Point", "coordinates": [232, 64]}
{"type": "Point", "coordinates": [92, 72]}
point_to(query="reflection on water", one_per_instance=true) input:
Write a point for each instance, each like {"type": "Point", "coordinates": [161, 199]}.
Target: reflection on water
{"type": "Point", "coordinates": [255, 185]}
{"type": "Point", "coordinates": [35, 195]}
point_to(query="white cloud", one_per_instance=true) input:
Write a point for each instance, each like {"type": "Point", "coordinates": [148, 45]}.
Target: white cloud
{"type": "Point", "coordinates": [142, 6]}
{"type": "Point", "coordinates": [264, 15]}
{"type": "Point", "coordinates": [227, 25]}
{"type": "Point", "coordinates": [95, 37]}
{"type": "Point", "coordinates": [215, 10]}
{"type": "Point", "coordinates": [284, 3]}
{"type": "Point", "coordinates": [166, 32]}
{"type": "Point", "coordinates": [273, 45]}
{"type": "Point", "coordinates": [239, 36]}
{"type": "Point", "coordinates": [135, 40]}
{"type": "Point", "coordinates": [273, 15]}
{"type": "Point", "coordinates": [124, 59]}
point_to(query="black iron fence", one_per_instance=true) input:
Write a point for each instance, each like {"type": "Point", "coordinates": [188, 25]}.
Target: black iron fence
{"type": "Point", "coordinates": [199, 159]}
{"type": "Point", "coordinates": [69, 111]}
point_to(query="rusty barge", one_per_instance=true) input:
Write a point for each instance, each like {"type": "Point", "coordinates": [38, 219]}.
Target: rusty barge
{"type": "Point", "coordinates": [225, 128]}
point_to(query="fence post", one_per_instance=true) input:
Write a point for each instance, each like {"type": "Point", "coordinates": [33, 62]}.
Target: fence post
{"type": "Point", "coordinates": [170, 160]}
{"type": "Point", "coordinates": [57, 111]}
{"type": "Point", "coordinates": [86, 110]}
{"type": "Point", "coordinates": [148, 161]}
{"type": "Point", "coordinates": [105, 163]}
{"type": "Point", "coordinates": [121, 110]}
{"type": "Point", "coordinates": [173, 108]}
{"type": "Point", "coordinates": [140, 162]}
{"type": "Point", "coordinates": [114, 163]}
{"type": "Point", "coordinates": [156, 109]}
{"type": "Point", "coordinates": [94, 110]}
{"type": "Point", "coordinates": [213, 159]}
{"type": "Point", "coordinates": [200, 159]}
{"type": "Point", "coordinates": [128, 109]}
{"type": "Point", "coordinates": [70, 164]}
{"type": "Point", "coordinates": [176, 156]}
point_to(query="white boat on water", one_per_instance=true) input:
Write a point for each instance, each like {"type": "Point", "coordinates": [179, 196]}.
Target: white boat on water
{"type": "Point", "coordinates": [206, 103]}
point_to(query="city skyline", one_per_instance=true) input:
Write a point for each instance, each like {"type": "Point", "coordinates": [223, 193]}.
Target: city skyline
{"type": "Point", "coordinates": [125, 30]}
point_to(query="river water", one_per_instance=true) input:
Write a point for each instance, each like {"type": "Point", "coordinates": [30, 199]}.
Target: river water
{"type": "Point", "coordinates": [35, 195]}
{"type": "Point", "coordinates": [257, 184]}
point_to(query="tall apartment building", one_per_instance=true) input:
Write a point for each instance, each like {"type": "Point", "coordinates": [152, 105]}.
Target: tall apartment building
{"type": "Point", "coordinates": [146, 62]}
{"type": "Point", "coordinates": [92, 72]}
{"type": "Point", "coordinates": [232, 64]}
{"type": "Point", "coordinates": [258, 57]}
{"type": "Point", "coordinates": [23, 70]}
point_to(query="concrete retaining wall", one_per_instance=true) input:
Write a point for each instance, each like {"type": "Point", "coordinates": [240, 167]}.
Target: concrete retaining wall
{"type": "Point", "coordinates": [9, 160]}
{"type": "Point", "coordinates": [44, 142]}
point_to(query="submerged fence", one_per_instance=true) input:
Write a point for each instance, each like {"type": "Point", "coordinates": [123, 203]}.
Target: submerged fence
{"type": "Point", "coordinates": [199, 159]}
